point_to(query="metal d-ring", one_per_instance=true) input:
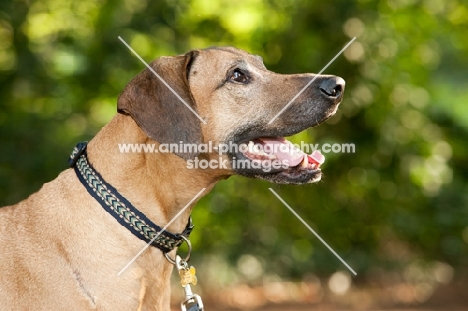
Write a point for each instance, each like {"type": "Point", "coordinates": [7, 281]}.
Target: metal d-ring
{"type": "Point", "coordinates": [187, 258]}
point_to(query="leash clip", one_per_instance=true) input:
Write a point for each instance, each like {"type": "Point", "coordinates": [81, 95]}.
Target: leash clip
{"type": "Point", "coordinates": [192, 301]}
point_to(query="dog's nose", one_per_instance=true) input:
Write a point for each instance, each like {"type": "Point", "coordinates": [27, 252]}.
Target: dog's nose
{"type": "Point", "coordinates": [333, 87]}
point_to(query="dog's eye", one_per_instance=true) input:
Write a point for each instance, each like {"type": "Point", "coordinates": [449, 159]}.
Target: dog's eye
{"type": "Point", "coordinates": [239, 76]}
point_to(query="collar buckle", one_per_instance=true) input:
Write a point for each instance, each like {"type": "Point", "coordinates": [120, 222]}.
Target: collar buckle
{"type": "Point", "coordinates": [188, 228]}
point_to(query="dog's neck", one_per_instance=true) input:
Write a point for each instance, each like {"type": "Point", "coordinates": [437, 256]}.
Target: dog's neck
{"type": "Point", "coordinates": [158, 184]}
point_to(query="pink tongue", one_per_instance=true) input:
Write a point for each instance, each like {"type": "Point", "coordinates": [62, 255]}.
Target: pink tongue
{"type": "Point", "coordinates": [284, 150]}
{"type": "Point", "coordinates": [316, 157]}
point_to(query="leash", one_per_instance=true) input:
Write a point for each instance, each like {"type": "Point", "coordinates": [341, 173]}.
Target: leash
{"type": "Point", "coordinates": [138, 223]}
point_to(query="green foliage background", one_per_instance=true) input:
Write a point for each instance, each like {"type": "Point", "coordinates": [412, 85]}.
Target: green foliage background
{"type": "Point", "coordinates": [400, 199]}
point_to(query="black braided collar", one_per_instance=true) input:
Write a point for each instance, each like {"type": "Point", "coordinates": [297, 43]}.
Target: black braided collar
{"type": "Point", "coordinates": [120, 208]}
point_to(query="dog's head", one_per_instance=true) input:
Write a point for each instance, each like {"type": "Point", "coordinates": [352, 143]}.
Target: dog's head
{"type": "Point", "coordinates": [227, 97]}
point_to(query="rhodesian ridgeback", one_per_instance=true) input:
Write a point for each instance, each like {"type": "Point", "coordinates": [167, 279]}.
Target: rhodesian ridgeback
{"type": "Point", "coordinates": [61, 249]}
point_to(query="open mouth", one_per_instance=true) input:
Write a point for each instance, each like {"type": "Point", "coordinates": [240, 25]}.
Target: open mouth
{"type": "Point", "coordinates": [281, 150]}
{"type": "Point", "coordinates": [276, 159]}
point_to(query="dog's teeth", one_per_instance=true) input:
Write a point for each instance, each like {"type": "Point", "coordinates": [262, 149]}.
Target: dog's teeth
{"type": "Point", "coordinates": [251, 146]}
{"type": "Point", "coordinates": [305, 162]}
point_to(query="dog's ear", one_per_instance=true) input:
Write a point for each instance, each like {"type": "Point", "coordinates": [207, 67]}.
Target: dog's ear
{"type": "Point", "coordinates": [155, 108]}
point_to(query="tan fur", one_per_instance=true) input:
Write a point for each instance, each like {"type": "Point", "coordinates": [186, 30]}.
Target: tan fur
{"type": "Point", "coordinates": [61, 251]}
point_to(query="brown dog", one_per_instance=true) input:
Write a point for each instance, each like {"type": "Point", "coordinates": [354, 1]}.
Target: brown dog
{"type": "Point", "coordinates": [61, 251]}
